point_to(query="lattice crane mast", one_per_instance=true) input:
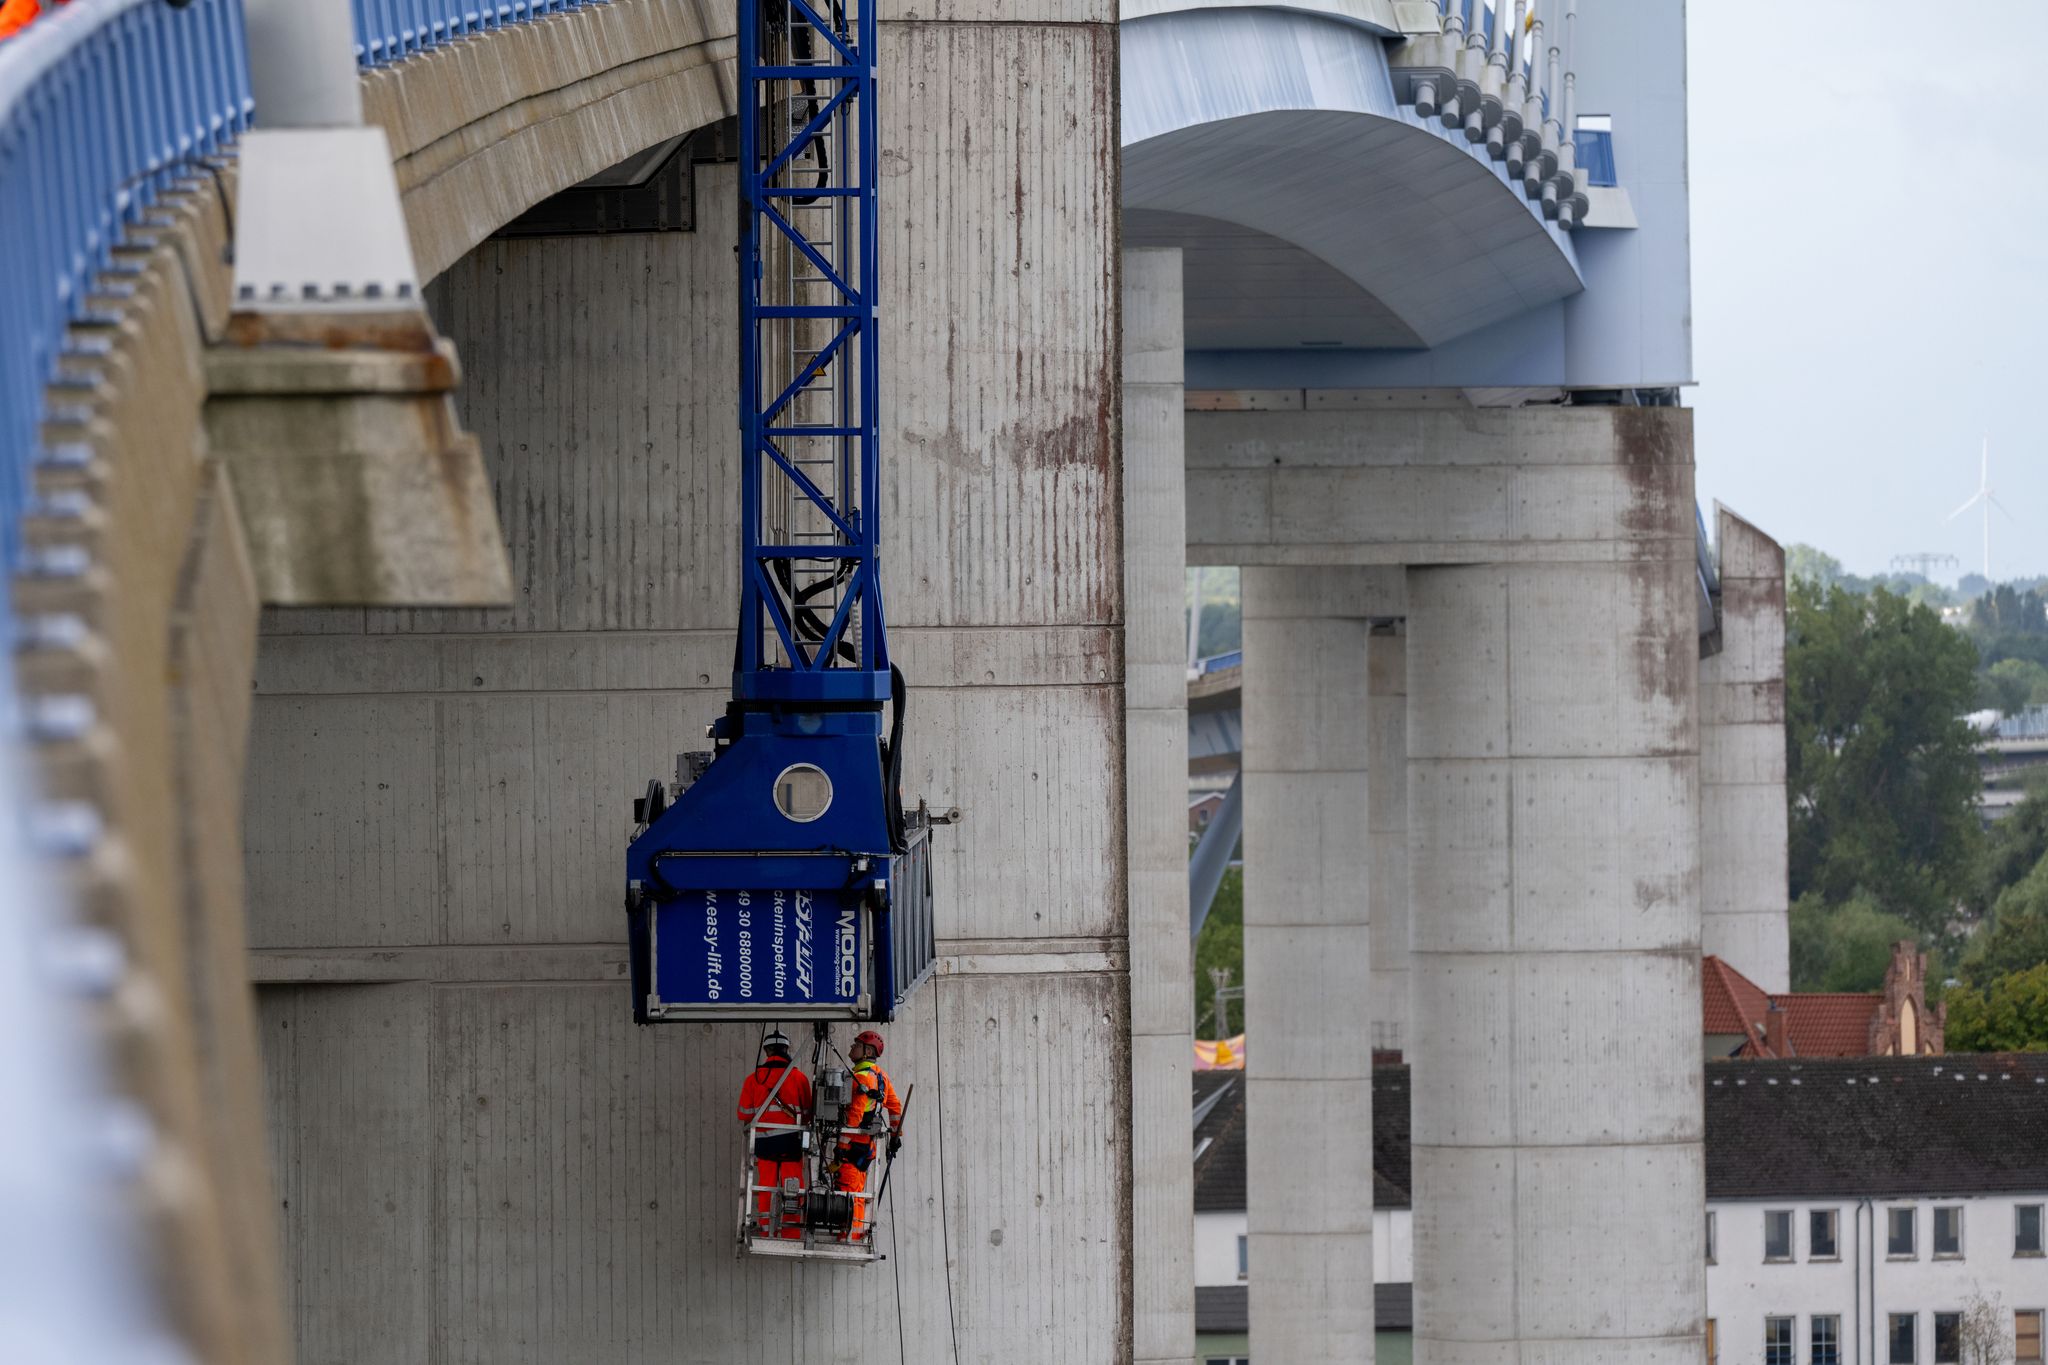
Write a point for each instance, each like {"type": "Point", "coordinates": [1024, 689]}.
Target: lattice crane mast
{"type": "Point", "coordinates": [780, 877]}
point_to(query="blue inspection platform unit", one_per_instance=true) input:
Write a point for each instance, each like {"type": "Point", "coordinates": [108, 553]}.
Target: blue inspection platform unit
{"type": "Point", "coordinates": [780, 876]}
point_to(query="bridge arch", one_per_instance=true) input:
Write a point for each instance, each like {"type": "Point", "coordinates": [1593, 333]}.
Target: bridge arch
{"type": "Point", "coordinates": [1219, 107]}
{"type": "Point", "coordinates": [483, 129]}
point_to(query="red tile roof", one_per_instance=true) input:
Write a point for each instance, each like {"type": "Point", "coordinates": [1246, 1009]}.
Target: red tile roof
{"type": "Point", "coordinates": [1829, 1025]}
{"type": "Point", "coordinates": [1730, 1001]}
{"type": "Point", "coordinates": [1820, 1024]}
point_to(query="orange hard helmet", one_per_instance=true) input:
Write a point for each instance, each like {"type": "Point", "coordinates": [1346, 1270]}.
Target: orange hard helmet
{"type": "Point", "coordinates": [871, 1038]}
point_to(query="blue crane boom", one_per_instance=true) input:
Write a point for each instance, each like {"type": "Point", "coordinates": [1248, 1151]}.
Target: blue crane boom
{"type": "Point", "coordinates": [780, 876]}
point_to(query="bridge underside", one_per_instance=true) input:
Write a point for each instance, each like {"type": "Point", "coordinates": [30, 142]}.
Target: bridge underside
{"type": "Point", "coordinates": [1270, 147]}
{"type": "Point", "coordinates": [1247, 288]}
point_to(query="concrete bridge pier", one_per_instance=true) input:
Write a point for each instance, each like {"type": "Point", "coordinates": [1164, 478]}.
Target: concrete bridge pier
{"type": "Point", "coordinates": [1553, 822]}
{"type": "Point", "coordinates": [1155, 781]}
{"type": "Point", "coordinates": [483, 1158]}
{"type": "Point", "coordinates": [1387, 832]}
{"type": "Point", "coordinates": [1308, 761]}
{"type": "Point", "coordinates": [1743, 879]}
{"type": "Point", "coordinates": [1544, 561]}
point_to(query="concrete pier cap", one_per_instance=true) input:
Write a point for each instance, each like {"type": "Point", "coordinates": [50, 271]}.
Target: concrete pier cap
{"type": "Point", "coordinates": [1744, 877]}
{"type": "Point", "coordinates": [1550, 736]}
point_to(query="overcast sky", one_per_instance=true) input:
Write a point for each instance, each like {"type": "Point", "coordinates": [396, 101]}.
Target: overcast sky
{"type": "Point", "coordinates": [1870, 273]}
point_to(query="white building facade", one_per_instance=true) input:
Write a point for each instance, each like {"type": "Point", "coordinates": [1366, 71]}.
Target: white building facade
{"type": "Point", "coordinates": [1221, 1257]}
{"type": "Point", "coordinates": [1860, 1211]}
{"type": "Point", "coordinates": [1831, 1281]}
{"type": "Point", "coordinates": [1877, 1211]}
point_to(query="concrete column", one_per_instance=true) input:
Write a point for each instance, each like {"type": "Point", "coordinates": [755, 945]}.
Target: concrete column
{"type": "Point", "coordinates": [302, 63]}
{"type": "Point", "coordinates": [1307, 956]}
{"type": "Point", "coordinates": [440, 798]}
{"type": "Point", "coordinates": [1155, 820]}
{"type": "Point", "coordinates": [1553, 843]}
{"type": "Point", "coordinates": [1743, 876]}
{"type": "Point", "coordinates": [1387, 834]}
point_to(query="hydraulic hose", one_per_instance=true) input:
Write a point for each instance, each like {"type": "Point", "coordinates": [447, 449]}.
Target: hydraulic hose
{"type": "Point", "coordinates": [892, 763]}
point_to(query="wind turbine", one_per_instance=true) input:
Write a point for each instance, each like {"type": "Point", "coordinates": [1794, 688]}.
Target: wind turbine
{"type": "Point", "coordinates": [1987, 499]}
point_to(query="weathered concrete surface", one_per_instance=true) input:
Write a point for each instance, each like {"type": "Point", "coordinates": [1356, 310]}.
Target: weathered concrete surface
{"type": "Point", "coordinates": [137, 544]}
{"type": "Point", "coordinates": [484, 129]}
{"type": "Point", "coordinates": [1403, 486]}
{"type": "Point", "coordinates": [1744, 884]}
{"type": "Point", "coordinates": [1553, 818]}
{"type": "Point", "coordinates": [1387, 832]}
{"type": "Point", "coordinates": [351, 473]}
{"type": "Point", "coordinates": [441, 796]}
{"type": "Point", "coordinates": [1155, 784]}
{"type": "Point", "coordinates": [1307, 957]}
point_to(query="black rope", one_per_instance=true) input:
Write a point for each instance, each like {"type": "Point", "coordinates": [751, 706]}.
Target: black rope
{"type": "Point", "coordinates": [945, 1232]}
{"type": "Point", "coordinates": [896, 1260]}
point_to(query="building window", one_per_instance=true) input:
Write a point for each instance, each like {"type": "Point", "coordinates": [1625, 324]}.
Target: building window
{"type": "Point", "coordinates": [2026, 1230]}
{"type": "Point", "coordinates": [1902, 1338]}
{"type": "Point", "coordinates": [1820, 1236]}
{"type": "Point", "coordinates": [1948, 1339]}
{"type": "Point", "coordinates": [1777, 1234]}
{"type": "Point", "coordinates": [1899, 1232]}
{"type": "Point", "coordinates": [2026, 1337]}
{"type": "Point", "coordinates": [1827, 1340]}
{"type": "Point", "coordinates": [1228, 1360]}
{"type": "Point", "coordinates": [1713, 1344]}
{"type": "Point", "coordinates": [1778, 1342]}
{"type": "Point", "coordinates": [1244, 1263]}
{"type": "Point", "coordinates": [1948, 1231]}
{"type": "Point", "coordinates": [1710, 1237]}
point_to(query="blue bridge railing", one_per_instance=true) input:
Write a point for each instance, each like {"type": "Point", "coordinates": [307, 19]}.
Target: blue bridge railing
{"type": "Point", "coordinates": [392, 30]}
{"type": "Point", "coordinates": [102, 105]}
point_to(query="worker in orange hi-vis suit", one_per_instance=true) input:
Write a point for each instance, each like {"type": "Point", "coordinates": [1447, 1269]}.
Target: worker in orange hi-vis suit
{"type": "Point", "coordinates": [16, 15]}
{"type": "Point", "coordinates": [873, 1110]}
{"type": "Point", "coordinates": [776, 1093]}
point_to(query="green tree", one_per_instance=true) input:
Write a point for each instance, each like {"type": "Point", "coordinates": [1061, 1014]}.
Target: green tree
{"type": "Point", "coordinates": [2010, 610]}
{"type": "Point", "coordinates": [2011, 849]}
{"type": "Point", "coordinates": [1845, 947]}
{"type": "Point", "coordinates": [1221, 944]}
{"type": "Point", "coordinates": [2016, 943]}
{"type": "Point", "coordinates": [1925, 594]}
{"type": "Point", "coordinates": [2016, 684]}
{"type": "Point", "coordinates": [1881, 768]}
{"type": "Point", "coordinates": [2008, 1015]}
{"type": "Point", "coordinates": [2017, 936]}
{"type": "Point", "coordinates": [1222, 609]}
{"type": "Point", "coordinates": [1807, 564]}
